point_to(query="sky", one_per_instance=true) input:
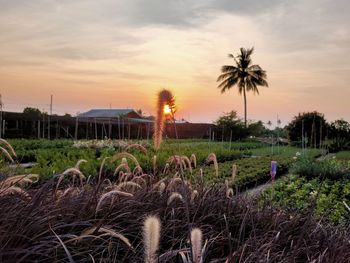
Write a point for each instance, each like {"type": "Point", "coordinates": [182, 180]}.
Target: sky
{"type": "Point", "coordinates": [119, 54]}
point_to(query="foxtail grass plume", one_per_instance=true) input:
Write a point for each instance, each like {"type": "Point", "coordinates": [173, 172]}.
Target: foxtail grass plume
{"type": "Point", "coordinates": [139, 180]}
{"type": "Point", "coordinates": [234, 172]}
{"type": "Point", "coordinates": [175, 196]}
{"type": "Point", "coordinates": [79, 162]}
{"type": "Point", "coordinates": [173, 182]}
{"type": "Point", "coordinates": [186, 162]}
{"type": "Point", "coordinates": [194, 195]}
{"type": "Point", "coordinates": [13, 190]}
{"type": "Point", "coordinates": [128, 185]}
{"type": "Point", "coordinates": [19, 180]}
{"type": "Point", "coordinates": [122, 166]}
{"type": "Point", "coordinates": [196, 243]}
{"type": "Point", "coordinates": [110, 194]}
{"type": "Point", "coordinates": [6, 154]}
{"type": "Point", "coordinates": [193, 160]}
{"type": "Point", "coordinates": [71, 171]}
{"type": "Point", "coordinates": [101, 168]}
{"type": "Point", "coordinates": [8, 146]}
{"type": "Point", "coordinates": [137, 146]}
{"type": "Point", "coordinates": [101, 232]}
{"type": "Point", "coordinates": [151, 236]}
{"type": "Point", "coordinates": [165, 97]}
{"type": "Point", "coordinates": [229, 193]}
{"type": "Point", "coordinates": [125, 155]}
{"type": "Point", "coordinates": [137, 170]}
{"type": "Point", "coordinates": [212, 159]}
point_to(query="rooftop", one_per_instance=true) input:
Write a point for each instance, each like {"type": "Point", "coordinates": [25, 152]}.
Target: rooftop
{"type": "Point", "coordinates": [109, 113]}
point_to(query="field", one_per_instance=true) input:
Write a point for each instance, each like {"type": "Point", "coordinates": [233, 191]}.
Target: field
{"type": "Point", "coordinates": [117, 201]}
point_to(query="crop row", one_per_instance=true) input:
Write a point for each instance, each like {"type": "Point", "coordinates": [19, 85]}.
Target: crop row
{"type": "Point", "coordinates": [52, 161]}
{"type": "Point", "coordinates": [27, 150]}
{"type": "Point", "coordinates": [322, 186]}
{"type": "Point", "coordinates": [250, 171]}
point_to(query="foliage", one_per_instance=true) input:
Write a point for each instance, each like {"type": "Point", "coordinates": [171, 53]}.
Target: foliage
{"type": "Point", "coordinates": [27, 149]}
{"type": "Point", "coordinates": [314, 125]}
{"type": "Point", "coordinates": [231, 127]}
{"type": "Point", "coordinates": [257, 129]}
{"type": "Point", "coordinates": [229, 124]}
{"type": "Point", "coordinates": [323, 198]}
{"type": "Point", "coordinates": [279, 132]}
{"type": "Point", "coordinates": [322, 186]}
{"type": "Point", "coordinates": [250, 171]}
{"type": "Point", "coordinates": [33, 112]}
{"type": "Point", "coordinates": [285, 151]}
{"type": "Point", "coordinates": [339, 133]}
{"type": "Point", "coordinates": [55, 156]}
{"type": "Point", "coordinates": [327, 169]}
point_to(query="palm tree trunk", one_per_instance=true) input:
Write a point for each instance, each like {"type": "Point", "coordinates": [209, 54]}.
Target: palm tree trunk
{"type": "Point", "coordinates": [245, 107]}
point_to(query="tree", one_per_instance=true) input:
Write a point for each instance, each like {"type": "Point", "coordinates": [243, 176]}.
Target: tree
{"type": "Point", "coordinates": [313, 124]}
{"type": "Point", "coordinates": [231, 122]}
{"type": "Point", "coordinates": [339, 133]}
{"type": "Point", "coordinates": [269, 123]}
{"type": "Point", "coordinates": [244, 75]}
{"type": "Point", "coordinates": [257, 129]}
{"type": "Point", "coordinates": [34, 112]}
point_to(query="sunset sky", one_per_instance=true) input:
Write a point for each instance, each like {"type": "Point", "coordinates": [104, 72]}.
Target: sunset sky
{"type": "Point", "coordinates": [97, 54]}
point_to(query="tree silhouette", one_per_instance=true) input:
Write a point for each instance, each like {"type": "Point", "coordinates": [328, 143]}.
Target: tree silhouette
{"type": "Point", "coordinates": [244, 75]}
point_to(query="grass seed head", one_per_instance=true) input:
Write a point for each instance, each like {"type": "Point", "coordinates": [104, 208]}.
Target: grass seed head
{"type": "Point", "coordinates": [196, 243]}
{"type": "Point", "coordinates": [165, 97]}
{"type": "Point", "coordinates": [151, 237]}
{"type": "Point", "coordinates": [8, 146]}
{"type": "Point", "coordinates": [174, 196]}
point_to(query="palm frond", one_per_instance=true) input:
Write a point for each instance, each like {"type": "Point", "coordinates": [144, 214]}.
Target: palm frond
{"type": "Point", "coordinates": [228, 68]}
{"type": "Point", "coordinates": [227, 75]}
{"type": "Point", "coordinates": [228, 84]}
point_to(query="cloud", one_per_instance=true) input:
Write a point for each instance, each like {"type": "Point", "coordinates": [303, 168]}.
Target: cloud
{"type": "Point", "coordinates": [146, 44]}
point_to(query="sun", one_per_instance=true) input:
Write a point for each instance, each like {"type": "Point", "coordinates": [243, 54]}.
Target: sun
{"type": "Point", "coordinates": [166, 109]}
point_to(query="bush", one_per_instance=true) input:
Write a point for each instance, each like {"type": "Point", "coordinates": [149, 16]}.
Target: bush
{"type": "Point", "coordinates": [324, 199]}
{"type": "Point", "coordinates": [327, 169]}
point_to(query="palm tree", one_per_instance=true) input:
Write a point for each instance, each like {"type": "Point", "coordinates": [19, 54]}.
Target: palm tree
{"type": "Point", "coordinates": [246, 76]}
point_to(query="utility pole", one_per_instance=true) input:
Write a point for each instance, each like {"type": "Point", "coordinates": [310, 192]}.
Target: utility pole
{"type": "Point", "coordinates": [49, 118]}
{"type": "Point", "coordinates": [76, 126]}
{"type": "Point", "coordinates": [278, 135]}
{"type": "Point", "coordinates": [302, 137]}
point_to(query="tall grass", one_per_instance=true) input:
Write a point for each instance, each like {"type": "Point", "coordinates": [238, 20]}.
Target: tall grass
{"type": "Point", "coordinates": [108, 220]}
{"type": "Point", "coordinates": [100, 223]}
{"type": "Point", "coordinates": [165, 97]}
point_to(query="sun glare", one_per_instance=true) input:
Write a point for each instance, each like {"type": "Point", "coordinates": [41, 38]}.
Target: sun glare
{"type": "Point", "coordinates": [167, 109]}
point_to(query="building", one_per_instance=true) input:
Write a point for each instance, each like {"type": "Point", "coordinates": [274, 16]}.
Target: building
{"type": "Point", "coordinates": [111, 114]}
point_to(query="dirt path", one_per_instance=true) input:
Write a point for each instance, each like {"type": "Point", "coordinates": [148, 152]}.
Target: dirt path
{"type": "Point", "coordinates": [22, 165]}
{"type": "Point", "coordinates": [261, 188]}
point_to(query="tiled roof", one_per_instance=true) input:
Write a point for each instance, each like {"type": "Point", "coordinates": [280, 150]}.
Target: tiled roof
{"type": "Point", "coordinates": [107, 113]}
